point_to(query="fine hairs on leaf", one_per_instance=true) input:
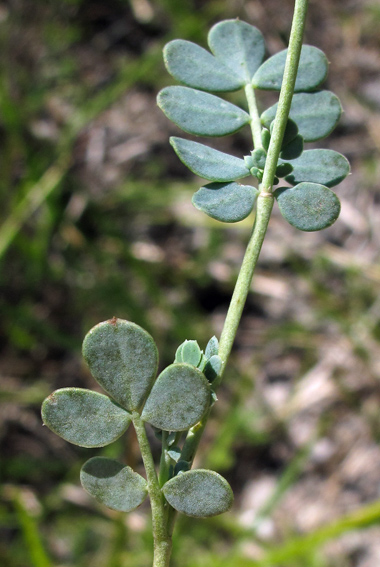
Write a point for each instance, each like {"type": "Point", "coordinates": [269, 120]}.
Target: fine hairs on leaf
{"type": "Point", "coordinates": [123, 357]}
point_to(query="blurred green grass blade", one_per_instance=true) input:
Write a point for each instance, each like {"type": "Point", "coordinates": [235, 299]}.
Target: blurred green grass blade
{"type": "Point", "coordinates": [34, 198]}
{"type": "Point", "coordinates": [301, 547]}
{"type": "Point", "coordinates": [287, 479]}
{"type": "Point", "coordinates": [146, 66]}
{"type": "Point", "coordinates": [30, 534]}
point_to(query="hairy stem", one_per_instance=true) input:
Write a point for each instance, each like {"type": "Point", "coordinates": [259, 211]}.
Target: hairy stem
{"type": "Point", "coordinates": [161, 536]}
{"type": "Point", "coordinates": [264, 208]}
{"type": "Point", "coordinates": [286, 94]}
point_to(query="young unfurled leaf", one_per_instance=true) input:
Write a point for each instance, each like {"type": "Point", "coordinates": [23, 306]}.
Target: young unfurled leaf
{"type": "Point", "coordinates": [308, 206]}
{"type": "Point", "coordinates": [284, 169]}
{"type": "Point", "coordinates": [207, 162]}
{"type": "Point", "coordinates": [179, 398]}
{"type": "Point", "coordinates": [123, 359]}
{"type": "Point", "coordinates": [199, 493]}
{"type": "Point", "coordinates": [239, 45]}
{"type": "Point", "coordinates": [292, 150]}
{"type": "Point", "coordinates": [312, 70]}
{"type": "Point", "coordinates": [181, 466]}
{"type": "Point", "coordinates": [291, 132]}
{"type": "Point", "coordinates": [265, 138]}
{"type": "Point", "coordinates": [226, 202]}
{"type": "Point", "coordinates": [213, 368]}
{"type": "Point", "coordinates": [113, 484]}
{"type": "Point", "coordinates": [174, 453]}
{"type": "Point", "coordinates": [316, 114]}
{"type": "Point", "coordinates": [201, 113]}
{"type": "Point", "coordinates": [256, 172]}
{"type": "Point", "coordinates": [191, 353]}
{"type": "Point", "coordinates": [84, 417]}
{"type": "Point", "coordinates": [195, 67]}
{"type": "Point", "coordinates": [326, 167]}
{"type": "Point", "coordinates": [212, 347]}
{"type": "Point", "coordinates": [259, 158]}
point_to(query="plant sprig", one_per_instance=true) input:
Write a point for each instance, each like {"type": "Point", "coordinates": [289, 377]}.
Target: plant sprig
{"type": "Point", "coordinates": [122, 357]}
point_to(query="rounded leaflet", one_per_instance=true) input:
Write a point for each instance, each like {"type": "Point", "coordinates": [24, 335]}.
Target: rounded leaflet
{"type": "Point", "coordinates": [123, 359]}
{"type": "Point", "coordinates": [84, 417]}
{"type": "Point", "coordinates": [308, 206]}
{"type": "Point", "coordinates": [115, 485]}
{"type": "Point", "coordinates": [199, 493]}
{"type": "Point", "coordinates": [179, 398]}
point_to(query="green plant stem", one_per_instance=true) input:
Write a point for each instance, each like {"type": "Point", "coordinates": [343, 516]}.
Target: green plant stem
{"type": "Point", "coordinates": [165, 460]}
{"type": "Point", "coordinates": [255, 117]}
{"type": "Point", "coordinates": [243, 283]}
{"type": "Point", "coordinates": [286, 94]}
{"type": "Point", "coordinates": [264, 208]}
{"type": "Point", "coordinates": [161, 536]}
{"type": "Point", "coordinates": [242, 287]}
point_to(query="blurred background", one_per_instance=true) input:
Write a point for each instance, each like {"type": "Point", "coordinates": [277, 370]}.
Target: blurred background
{"type": "Point", "coordinates": [97, 221]}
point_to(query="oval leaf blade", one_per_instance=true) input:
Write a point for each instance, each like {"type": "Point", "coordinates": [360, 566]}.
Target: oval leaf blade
{"type": "Point", "coordinates": [207, 162]}
{"type": "Point", "coordinates": [179, 398]}
{"type": "Point", "coordinates": [326, 167]}
{"type": "Point", "coordinates": [239, 45]}
{"type": "Point", "coordinates": [316, 114]}
{"type": "Point", "coordinates": [191, 353]}
{"type": "Point", "coordinates": [195, 67]}
{"type": "Point", "coordinates": [201, 113]}
{"type": "Point", "coordinates": [312, 70]}
{"type": "Point", "coordinates": [115, 485]}
{"type": "Point", "coordinates": [308, 206]}
{"type": "Point", "coordinates": [225, 202]}
{"type": "Point", "coordinates": [199, 493]}
{"type": "Point", "coordinates": [123, 359]}
{"type": "Point", "coordinates": [84, 417]}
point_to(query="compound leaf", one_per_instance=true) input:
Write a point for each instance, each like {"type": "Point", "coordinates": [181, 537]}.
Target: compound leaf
{"type": "Point", "coordinates": [115, 485]}
{"type": "Point", "coordinates": [226, 202]}
{"type": "Point", "coordinates": [207, 162]}
{"type": "Point", "coordinates": [308, 206]}
{"type": "Point", "coordinates": [179, 398]}
{"type": "Point", "coordinates": [123, 358]}
{"type": "Point", "coordinates": [195, 67]}
{"type": "Point", "coordinates": [199, 493]}
{"type": "Point", "coordinates": [316, 114]}
{"type": "Point", "coordinates": [201, 113]}
{"type": "Point", "coordinates": [84, 417]}
{"type": "Point", "coordinates": [326, 167]}
{"type": "Point", "coordinates": [239, 45]}
{"type": "Point", "coordinates": [312, 70]}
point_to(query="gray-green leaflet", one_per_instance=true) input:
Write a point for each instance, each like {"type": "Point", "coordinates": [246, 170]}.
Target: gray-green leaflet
{"type": "Point", "coordinates": [235, 62]}
{"type": "Point", "coordinates": [123, 359]}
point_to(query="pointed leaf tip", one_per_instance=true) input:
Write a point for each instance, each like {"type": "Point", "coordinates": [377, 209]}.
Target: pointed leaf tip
{"type": "Point", "coordinates": [199, 493]}
{"type": "Point", "coordinates": [115, 485]}
{"type": "Point", "coordinates": [123, 359]}
{"type": "Point", "coordinates": [84, 417]}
